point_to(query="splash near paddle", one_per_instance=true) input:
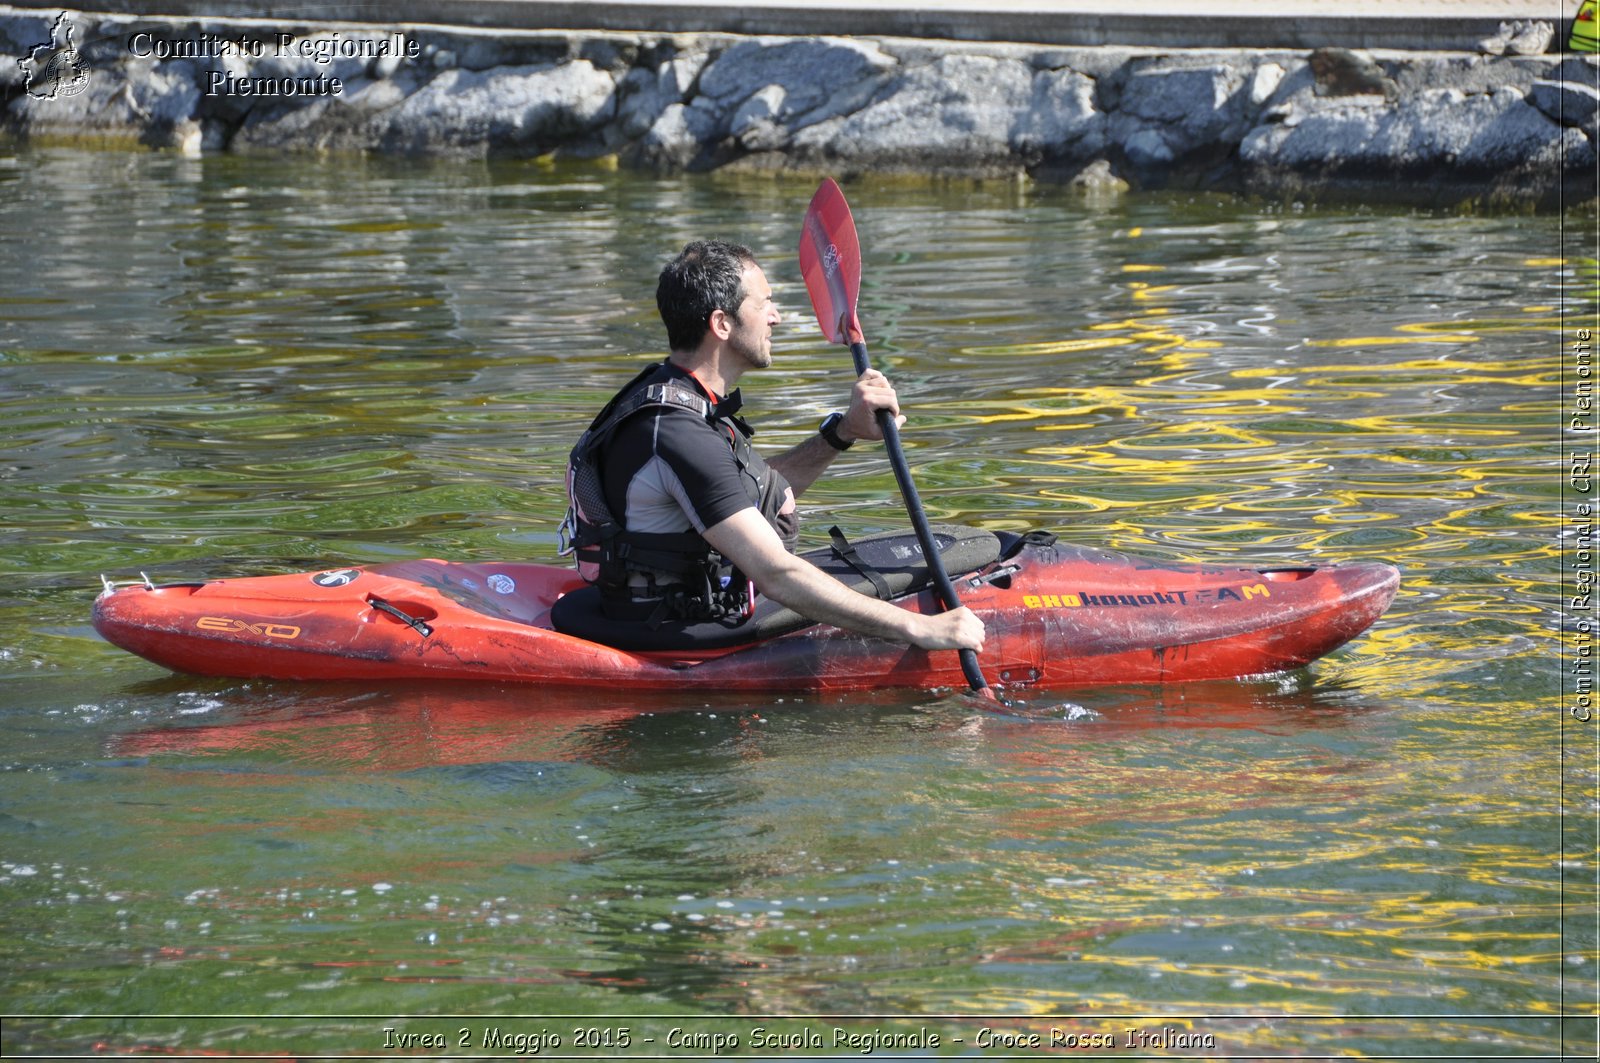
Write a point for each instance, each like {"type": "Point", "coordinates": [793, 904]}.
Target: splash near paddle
{"type": "Point", "coordinates": [830, 261]}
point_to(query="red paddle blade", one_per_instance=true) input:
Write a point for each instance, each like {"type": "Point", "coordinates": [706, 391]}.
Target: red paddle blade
{"type": "Point", "coordinates": [830, 261]}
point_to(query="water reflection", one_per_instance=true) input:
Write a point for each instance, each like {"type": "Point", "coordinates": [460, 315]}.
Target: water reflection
{"type": "Point", "coordinates": [234, 366]}
{"type": "Point", "coordinates": [387, 728]}
{"type": "Point", "coordinates": [747, 860]}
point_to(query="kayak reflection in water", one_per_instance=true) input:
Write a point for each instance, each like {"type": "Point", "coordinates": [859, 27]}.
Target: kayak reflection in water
{"type": "Point", "coordinates": [675, 516]}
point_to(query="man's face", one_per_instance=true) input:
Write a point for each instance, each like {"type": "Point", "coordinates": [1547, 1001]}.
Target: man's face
{"type": "Point", "coordinates": [752, 325]}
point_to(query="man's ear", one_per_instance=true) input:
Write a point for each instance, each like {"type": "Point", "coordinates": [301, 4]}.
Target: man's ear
{"type": "Point", "coordinates": [721, 324]}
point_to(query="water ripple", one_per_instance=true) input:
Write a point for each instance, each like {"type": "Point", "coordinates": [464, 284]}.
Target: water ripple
{"type": "Point", "coordinates": [284, 365]}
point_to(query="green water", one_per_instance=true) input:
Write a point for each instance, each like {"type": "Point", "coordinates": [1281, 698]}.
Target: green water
{"type": "Point", "coordinates": [242, 366]}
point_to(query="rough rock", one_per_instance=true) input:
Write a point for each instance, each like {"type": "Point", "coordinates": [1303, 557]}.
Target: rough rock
{"type": "Point", "coordinates": [758, 123]}
{"type": "Point", "coordinates": [677, 137]}
{"type": "Point", "coordinates": [142, 106]}
{"type": "Point", "coordinates": [517, 109]}
{"type": "Point", "coordinates": [1168, 109]}
{"type": "Point", "coordinates": [1453, 126]}
{"type": "Point", "coordinates": [1061, 120]}
{"type": "Point", "coordinates": [302, 65]}
{"type": "Point", "coordinates": [1571, 96]}
{"type": "Point", "coordinates": [356, 120]}
{"type": "Point", "coordinates": [1097, 179]}
{"type": "Point", "coordinates": [472, 49]}
{"type": "Point", "coordinates": [1469, 73]}
{"type": "Point", "coordinates": [810, 74]}
{"type": "Point", "coordinates": [1263, 82]}
{"type": "Point", "coordinates": [644, 92]}
{"type": "Point", "coordinates": [954, 115]}
{"type": "Point", "coordinates": [18, 33]}
{"type": "Point", "coordinates": [1571, 103]}
{"type": "Point", "coordinates": [1342, 72]}
{"type": "Point", "coordinates": [1444, 131]}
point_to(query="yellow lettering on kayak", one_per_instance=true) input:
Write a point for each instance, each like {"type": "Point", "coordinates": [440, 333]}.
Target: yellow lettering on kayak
{"type": "Point", "coordinates": [236, 626]}
{"type": "Point", "coordinates": [1051, 601]}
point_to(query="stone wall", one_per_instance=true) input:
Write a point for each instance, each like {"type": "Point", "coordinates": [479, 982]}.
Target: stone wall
{"type": "Point", "coordinates": [1424, 127]}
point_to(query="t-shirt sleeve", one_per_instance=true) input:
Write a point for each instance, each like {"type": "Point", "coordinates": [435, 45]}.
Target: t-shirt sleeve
{"type": "Point", "coordinates": [708, 482]}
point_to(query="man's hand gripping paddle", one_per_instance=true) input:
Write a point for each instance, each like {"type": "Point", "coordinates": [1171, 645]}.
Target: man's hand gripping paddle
{"type": "Point", "coordinates": [830, 260]}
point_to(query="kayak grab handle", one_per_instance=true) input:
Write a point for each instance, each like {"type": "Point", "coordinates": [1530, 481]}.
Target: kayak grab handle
{"type": "Point", "coordinates": [415, 623]}
{"type": "Point", "coordinates": [1000, 576]}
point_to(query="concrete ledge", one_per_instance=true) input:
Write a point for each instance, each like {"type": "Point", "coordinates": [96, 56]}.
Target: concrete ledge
{"type": "Point", "coordinates": [1444, 25]}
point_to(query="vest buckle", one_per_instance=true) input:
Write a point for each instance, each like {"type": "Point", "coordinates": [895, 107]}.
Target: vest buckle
{"type": "Point", "coordinates": [568, 532]}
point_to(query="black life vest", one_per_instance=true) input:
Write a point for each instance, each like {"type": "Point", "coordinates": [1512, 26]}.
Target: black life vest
{"type": "Point", "coordinates": [683, 577]}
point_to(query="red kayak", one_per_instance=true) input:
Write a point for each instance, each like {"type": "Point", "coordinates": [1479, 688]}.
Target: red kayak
{"type": "Point", "coordinates": [1057, 615]}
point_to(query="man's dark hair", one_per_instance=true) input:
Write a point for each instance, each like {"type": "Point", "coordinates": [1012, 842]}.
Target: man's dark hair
{"type": "Point", "coordinates": [707, 275]}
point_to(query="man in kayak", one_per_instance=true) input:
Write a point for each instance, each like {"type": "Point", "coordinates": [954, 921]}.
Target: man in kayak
{"type": "Point", "coordinates": [676, 516]}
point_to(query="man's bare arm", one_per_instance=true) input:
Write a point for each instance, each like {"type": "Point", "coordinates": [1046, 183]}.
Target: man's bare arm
{"type": "Point", "coordinates": [749, 542]}
{"type": "Point", "coordinates": [801, 465]}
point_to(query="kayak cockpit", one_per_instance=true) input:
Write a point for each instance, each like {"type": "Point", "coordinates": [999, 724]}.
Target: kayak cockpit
{"type": "Point", "coordinates": [886, 566]}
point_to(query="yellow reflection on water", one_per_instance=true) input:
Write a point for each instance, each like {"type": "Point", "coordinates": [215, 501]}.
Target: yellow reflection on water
{"type": "Point", "coordinates": [1165, 431]}
{"type": "Point", "coordinates": [1439, 463]}
{"type": "Point", "coordinates": [1056, 347]}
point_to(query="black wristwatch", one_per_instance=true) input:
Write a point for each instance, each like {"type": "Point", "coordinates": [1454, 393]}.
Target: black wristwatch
{"type": "Point", "coordinates": [829, 431]}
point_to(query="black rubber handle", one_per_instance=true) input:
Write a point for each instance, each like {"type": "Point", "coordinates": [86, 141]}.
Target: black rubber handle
{"type": "Point", "coordinates": [919, 520]}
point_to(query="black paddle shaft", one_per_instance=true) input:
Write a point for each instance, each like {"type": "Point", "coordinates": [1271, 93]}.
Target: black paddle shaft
{"type": "Point", "coordinates": [919, 519]}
